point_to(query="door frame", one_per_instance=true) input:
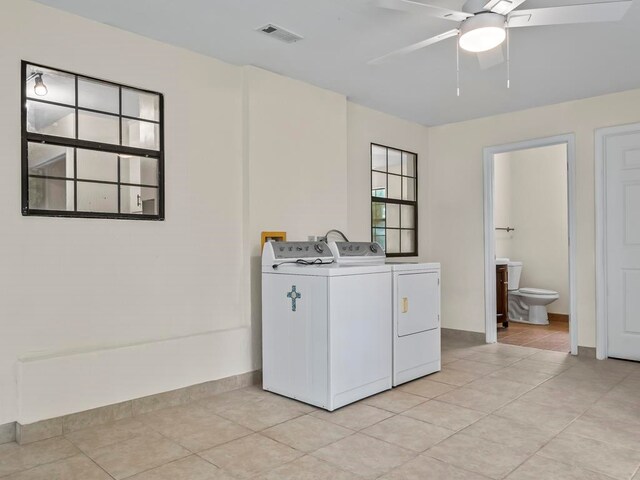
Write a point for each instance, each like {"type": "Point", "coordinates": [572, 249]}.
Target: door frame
{"type": "Point", "coordinates": [602, 323]}
{"type": "Point", "coordinates": [489, 229]}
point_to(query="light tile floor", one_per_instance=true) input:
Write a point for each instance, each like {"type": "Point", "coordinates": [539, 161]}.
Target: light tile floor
{"type": "Point", "coordinates": [554, 336]}
{"type": "Point", "coordinates": [495, 411]}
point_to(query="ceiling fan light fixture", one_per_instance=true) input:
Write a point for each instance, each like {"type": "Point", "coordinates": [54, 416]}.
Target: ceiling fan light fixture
{"type": "Point", "coordinates": [482, 32]}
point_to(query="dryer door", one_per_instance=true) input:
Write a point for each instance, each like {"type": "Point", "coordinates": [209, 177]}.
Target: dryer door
{"type": "Point", "coordinates": [417, 302]}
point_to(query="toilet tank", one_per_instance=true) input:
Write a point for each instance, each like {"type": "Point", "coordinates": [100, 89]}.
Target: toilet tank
{"type": "Point", "coordinates": [515, 269]}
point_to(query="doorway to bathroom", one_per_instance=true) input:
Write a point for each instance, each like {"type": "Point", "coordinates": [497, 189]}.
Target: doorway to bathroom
{"type": "Point", "coordinates": [530, 244]}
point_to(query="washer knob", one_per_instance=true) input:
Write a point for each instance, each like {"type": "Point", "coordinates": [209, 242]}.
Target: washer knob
{"type": "Point", "coordinates": [318, 248]}
{"type": "Point", "coordinates": [373, 248]}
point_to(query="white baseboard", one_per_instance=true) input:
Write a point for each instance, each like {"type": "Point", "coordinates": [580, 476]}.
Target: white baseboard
{"type": "Point", "coordinates": [55, 385]}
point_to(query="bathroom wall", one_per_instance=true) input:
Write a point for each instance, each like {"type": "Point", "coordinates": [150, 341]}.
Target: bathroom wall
{"type": "Point", "coordinates": [531, 196]}
{"type": "Point", "coordinates": [502, 204]}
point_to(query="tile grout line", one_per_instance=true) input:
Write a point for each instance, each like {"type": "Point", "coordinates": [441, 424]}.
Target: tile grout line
{"type": "Point", "coordinates": [98, 465]}
{"type": "Point", "coordinates": [301, 414]}
{"type": "Point", "coordinates": [304, 453]}
{"type": "Point", "coordinates": [415, 454]}
{"type": "Point", "coordinates": [165, 464]}
{"type": "Point", "coordinates": [79, 452]}
{"type": "Point", "coordinates": [518, 397]}
{"type": "Point", "coordinates": [136, 436]}
{"type": "Point", "coordinates": [195, 452]}
{"type": "Point", "coordinates": [560, 432]}
{"type": "Point", "coordinates": [485, 415]}
{"type": "Point", "coordinates": [361, 431]}
{"type": "Point", "coordinates": [508, 403]}
{"type": "Point", "coordinates": [138, 418]}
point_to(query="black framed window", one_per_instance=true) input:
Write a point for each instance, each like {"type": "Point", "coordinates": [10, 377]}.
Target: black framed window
{"type": "Point", "coordinates": [90, 147]}
{"type": "Point", "coordinates": [394, 200]}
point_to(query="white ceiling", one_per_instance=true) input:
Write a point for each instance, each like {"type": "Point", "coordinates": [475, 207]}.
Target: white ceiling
{"type": "Point", "coordinates": [549, 64]}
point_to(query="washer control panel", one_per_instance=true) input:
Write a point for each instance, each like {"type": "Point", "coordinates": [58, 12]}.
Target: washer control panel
{"type": "Point", "coordinates": [288, 250]}
{"type": "Point", "coordinates": [371, 250]}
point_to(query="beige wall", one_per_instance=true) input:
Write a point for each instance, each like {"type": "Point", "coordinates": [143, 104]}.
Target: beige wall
{"type": "Point", "coordinates": [246, 150]}
{"type": "Point", "coordinates": [161, 305]}
{"type": "Point", "coordinates": [70, 285]}
{"type": "Point", "coordinates": [366, 126]}
{"type": "Point", "coordinates": [295, 165]}
{"type": "Point", "coordinates": [297, 156]}
{"type": "Point", "coordinates": [455, 198]}
{"type": "Point", "coordinates": [531, 196]}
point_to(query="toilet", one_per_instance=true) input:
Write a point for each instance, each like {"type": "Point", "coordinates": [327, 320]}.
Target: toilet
{"type": "Point", "coordinates": [527, 305]}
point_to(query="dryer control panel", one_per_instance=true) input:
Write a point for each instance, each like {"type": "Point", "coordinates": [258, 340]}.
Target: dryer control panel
{"type": "Point", "coordinates": [357, 252]}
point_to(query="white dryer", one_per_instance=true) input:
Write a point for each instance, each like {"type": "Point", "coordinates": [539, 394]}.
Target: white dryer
{"type": "Point", "coordinates": [325, 326]}
{"type": "Point", "coordinates": [416, 320]}
{"type": "Point", "coordinates": [416, 309]}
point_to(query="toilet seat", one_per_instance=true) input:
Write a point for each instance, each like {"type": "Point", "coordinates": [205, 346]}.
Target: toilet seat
{"type": "Point", "coordinates": [537, 292]}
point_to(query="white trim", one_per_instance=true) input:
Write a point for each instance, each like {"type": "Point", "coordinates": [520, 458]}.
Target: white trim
{"type": "Point", "coordinates": [601, 297]}
{"type": "Point", "coordinates": [490, 313]}
{"type": "Point", "coordinates": [489, 230]}
{"type": "Point", "coordinates": [573, 231]}
{"type": "Point", "coordinates": [602, 340]}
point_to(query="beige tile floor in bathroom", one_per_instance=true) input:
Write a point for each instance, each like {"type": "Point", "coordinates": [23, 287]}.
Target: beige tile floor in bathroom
{"type": "Point", "coordinates": [495, 411]}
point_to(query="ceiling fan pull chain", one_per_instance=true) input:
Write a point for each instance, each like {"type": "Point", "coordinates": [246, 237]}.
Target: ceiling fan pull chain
{"type": "Point", "coordinates": [508, 60]}
{"type": "Point", "coordinates": [458, 66]}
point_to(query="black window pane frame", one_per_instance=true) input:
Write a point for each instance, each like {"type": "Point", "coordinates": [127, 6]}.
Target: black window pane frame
{"type": "Point", "coordinates": [386, 201]}
{"type": "Point", "coordinates": [76, 143]}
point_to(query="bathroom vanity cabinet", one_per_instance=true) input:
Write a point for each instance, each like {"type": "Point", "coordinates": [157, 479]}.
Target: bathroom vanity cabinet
{"type": "Point", "coordinates": [502, 297]}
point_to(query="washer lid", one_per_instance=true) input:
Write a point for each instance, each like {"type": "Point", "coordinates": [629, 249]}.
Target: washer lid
{"type": "Point", "coordinates": [537, 291]}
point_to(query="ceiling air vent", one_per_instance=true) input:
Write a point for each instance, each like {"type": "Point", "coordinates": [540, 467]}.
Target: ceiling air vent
{"type": "Point", "coordinates": [279, 33]}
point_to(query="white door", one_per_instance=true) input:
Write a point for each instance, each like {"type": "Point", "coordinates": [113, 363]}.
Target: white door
{"type": "Point", "coordinates": [417, 303]}
{"type": "Point", "coordinates": [622, 240]}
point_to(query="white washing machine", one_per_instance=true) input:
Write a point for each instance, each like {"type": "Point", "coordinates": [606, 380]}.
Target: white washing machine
{"type": "Point", "coordinates": [416, 310]}
{"type": "Point", "coordinates": [325, 326]}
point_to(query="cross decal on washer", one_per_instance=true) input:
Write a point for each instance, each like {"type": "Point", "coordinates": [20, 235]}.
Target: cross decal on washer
{"type": "Point", "coordinates": [294, 296]}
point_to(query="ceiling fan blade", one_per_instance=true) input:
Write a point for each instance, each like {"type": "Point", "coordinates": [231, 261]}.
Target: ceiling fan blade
{"type": "Point", "coordinates": [503, 7]}
{"type": "Point", "coordinates": [418, 6]}
{"type": "Point", "coordinates": [490, 58]}
{"type": "Point", "coordinates": [588, 13]}
{"type": "Point", "coordinates": [414, 47]}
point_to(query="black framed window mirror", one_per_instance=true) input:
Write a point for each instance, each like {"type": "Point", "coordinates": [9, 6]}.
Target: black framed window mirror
{"type": "Point", "coordinates": [90, 147]}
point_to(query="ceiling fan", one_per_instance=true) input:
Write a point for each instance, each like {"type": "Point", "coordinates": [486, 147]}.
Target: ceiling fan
{"type": "Point", "coordinates": [483, 25]}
